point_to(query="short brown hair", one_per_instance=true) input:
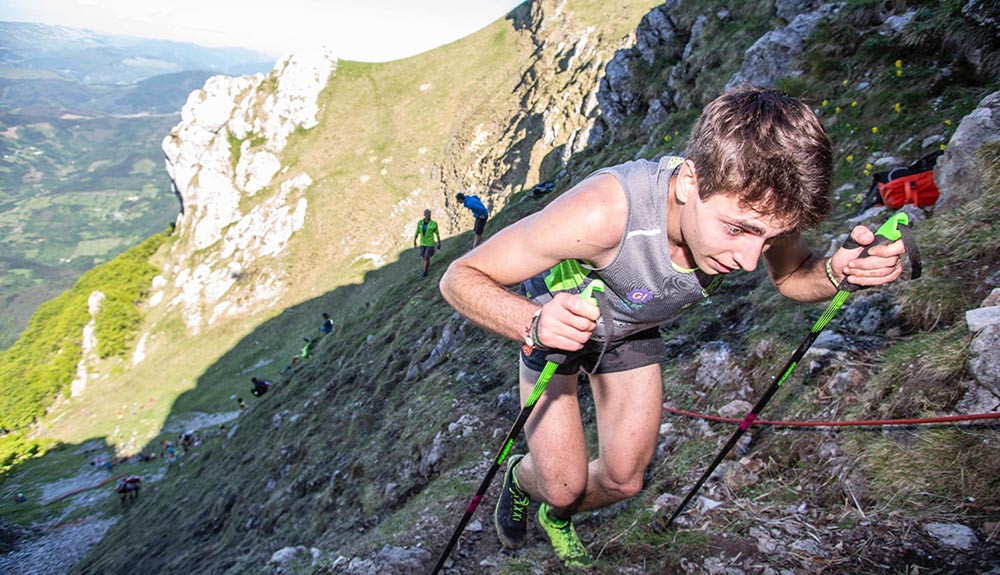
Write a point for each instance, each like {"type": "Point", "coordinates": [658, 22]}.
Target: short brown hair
{"type": "Point", "coordinates": [768, 149]}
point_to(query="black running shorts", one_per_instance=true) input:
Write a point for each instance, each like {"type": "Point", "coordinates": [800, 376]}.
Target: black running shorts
{"type": "Point", "coordinates": [480, 226]}
{"type": "Point", "coordinates": [637, 350]}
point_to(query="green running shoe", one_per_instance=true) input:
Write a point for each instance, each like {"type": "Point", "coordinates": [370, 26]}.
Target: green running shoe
{"type": "Point", "coordinates": [511, 514]}
{"type": "Point", "coordinates": [564, 539]}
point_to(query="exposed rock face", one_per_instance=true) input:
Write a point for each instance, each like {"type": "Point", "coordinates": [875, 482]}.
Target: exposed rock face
{"type": "Point", "coordinates": [227, 148]}
{"type": "Point", "coordinates": [657, 36]}
{"type": "Point", "coordinates": [984, 353]}
{"type": "Point", "coordinates": [554, 111]}
{"type": "Point", "coordinates": [79, 383]}
{"type": "Point", "coordinates": [775, 54]}
{"type": "Point", "coordinates": [660, 39]}
{"type": "Point", "coordinates": [958, 172]}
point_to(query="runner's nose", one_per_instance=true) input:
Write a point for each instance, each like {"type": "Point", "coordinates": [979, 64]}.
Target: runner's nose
{"type": "Point", "coordinates": [748, 253]}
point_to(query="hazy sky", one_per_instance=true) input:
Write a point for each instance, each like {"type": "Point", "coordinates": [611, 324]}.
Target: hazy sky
{"type": "Point", "coordinates": [367, 30]}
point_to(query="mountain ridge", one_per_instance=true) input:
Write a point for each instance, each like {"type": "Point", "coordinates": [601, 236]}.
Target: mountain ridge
{"type": "Point", "coordinates": [97, 58]}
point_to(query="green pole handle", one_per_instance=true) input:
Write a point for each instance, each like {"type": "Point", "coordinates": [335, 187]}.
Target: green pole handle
{"type": "Point", "coordinates": [588, 292]}
{"type": "Point", "coordinates": [897, 227]}
{"type": "Point", "coordinates": [886, 233]}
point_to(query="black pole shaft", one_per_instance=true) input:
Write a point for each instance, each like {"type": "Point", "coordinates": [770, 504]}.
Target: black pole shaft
{"type": "Point", "coordinates": [744, 425]}
{"type": "Point", "coordinates": [555, 359]}
{"type": "Point", "coordinates": [897, 226]}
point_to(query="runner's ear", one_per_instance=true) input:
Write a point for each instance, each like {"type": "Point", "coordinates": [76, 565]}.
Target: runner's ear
{"type": "Point", "coordinates": [686, 182]}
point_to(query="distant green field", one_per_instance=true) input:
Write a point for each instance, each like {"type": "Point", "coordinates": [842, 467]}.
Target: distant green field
{"type": "Point", "coordinates": [74, 193]}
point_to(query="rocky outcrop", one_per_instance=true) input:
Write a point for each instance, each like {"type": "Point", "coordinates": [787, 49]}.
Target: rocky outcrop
{"type": "Point", "coordinates": [657, 36]}
{"type": "Point", "coordinates": [89, 347]}
{"type": "Point", "coordinates": [775, 54]}
{"type": "Point", "coordinates": [554, 111]}
{"type": "Point", "coordinates": [226, 149]}
{"type": "Point", "coordinates": [984, 353]}
{"type": "Point", "coordinates": [959, 172]}
{"type": "Point", "coordinates": [663, 41]}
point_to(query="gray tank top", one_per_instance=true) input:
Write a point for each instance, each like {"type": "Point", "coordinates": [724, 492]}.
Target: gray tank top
{"type": "Point", "coordinates": [645, 289]}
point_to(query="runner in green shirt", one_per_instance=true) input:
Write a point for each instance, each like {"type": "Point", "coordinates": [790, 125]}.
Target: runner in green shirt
{"type": "Point", "coordinates": [427, 231]}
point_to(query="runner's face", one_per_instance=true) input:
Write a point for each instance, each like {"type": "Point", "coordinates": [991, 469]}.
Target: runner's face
{"type": "Point", "coordinates": [721, 236]}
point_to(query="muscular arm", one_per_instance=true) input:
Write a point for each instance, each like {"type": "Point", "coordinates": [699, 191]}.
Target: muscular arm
{"type": "Point", "coordinates": [801, 275]}
{"type": "Point", "coordinates": [585, 223]}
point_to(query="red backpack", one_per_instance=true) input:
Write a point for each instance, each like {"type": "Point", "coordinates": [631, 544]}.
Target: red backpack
{"type": "Point", "coordinates": [913, 184]}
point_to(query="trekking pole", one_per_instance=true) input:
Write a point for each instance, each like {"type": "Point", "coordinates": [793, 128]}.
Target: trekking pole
{"type": "Point", "coordinates": [553, 360]}
{"type": "Point", "coordinates": [897, 227]}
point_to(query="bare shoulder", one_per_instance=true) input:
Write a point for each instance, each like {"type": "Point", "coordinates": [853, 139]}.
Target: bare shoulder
{"type": "Point", "coordinates": [596, 208]}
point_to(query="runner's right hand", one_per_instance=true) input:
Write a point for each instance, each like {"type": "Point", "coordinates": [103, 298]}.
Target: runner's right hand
{"type": "Point", "coordinates": [567, 322]}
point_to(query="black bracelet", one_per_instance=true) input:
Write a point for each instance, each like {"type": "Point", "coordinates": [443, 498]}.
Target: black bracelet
{"type": "Point", "coordinates": [535, 342]}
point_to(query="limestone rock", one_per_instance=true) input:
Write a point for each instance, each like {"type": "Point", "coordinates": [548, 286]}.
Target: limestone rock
{"type": "Point", "coordinates": [958, 171]}
{"type": "Point", "coordinates": [774, 55]}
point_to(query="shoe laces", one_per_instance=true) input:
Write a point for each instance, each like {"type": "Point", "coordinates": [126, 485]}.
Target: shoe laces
{"type": "Point", "coordinates": [519, 503]}
{"type": "Point", "coordinates": [572, 542]}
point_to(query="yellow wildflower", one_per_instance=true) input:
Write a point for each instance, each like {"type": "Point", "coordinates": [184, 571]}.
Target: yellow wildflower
{"type": "Point", "coordinates": [874, 129]}
{"type": "Point", "coordinates": [849, 158]}
{"type": "Point", "coordinates": [897, 107]}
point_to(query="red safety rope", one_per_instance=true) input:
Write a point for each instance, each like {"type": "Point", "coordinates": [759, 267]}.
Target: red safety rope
{"type": "Point", "coordinates": [858, 423]}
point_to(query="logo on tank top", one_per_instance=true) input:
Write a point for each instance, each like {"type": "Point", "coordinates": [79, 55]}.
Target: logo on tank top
{"type": "Point", "coordinates": [639, 296]}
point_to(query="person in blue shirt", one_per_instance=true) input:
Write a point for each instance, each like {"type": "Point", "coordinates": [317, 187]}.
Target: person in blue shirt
{"type": "Point", "coordinates": [478, 210]}
{"type": "Point", "coordinates": [327, 326]}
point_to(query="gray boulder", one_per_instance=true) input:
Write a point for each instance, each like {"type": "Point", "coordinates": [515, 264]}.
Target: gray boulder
{"type": "Point", "coordinates": [984, 358]}
{"type": "Point", "coordinates": [775, 55]}
{"type": "Point", "coordinates": [958, 172]}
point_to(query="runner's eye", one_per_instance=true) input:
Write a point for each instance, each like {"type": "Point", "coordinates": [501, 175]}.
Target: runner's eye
{"type": "Point", "coordinates": [733, 230]}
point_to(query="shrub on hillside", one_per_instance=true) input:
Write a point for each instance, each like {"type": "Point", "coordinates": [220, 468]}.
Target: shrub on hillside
{"type": "Point", "coordinates": [43, 361]}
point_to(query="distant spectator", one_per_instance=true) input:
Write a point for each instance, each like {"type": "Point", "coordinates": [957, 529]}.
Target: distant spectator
{"type": "Point", "coordinates": [260, 386]}
{"type": "Point", "coordinates": [327, 326]}
{"type": "Point", "coordinates": [167, 450]}
{"type": "Point", "coordinates": [479, 210]}
{"type": "Point", "coordinates": [20, 498]}
{"type": "Point", "coordinates": [128, 488]}
{"type": "Point", "coordinates": [427, 233]}
{"type": "Point", "coordinates": [187, 440]}
{"type": "Point", "coordinates": [243, 405]}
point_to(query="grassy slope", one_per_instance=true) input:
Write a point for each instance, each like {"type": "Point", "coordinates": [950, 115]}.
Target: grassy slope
{"type": "Point", "coordinates": [357, 412]}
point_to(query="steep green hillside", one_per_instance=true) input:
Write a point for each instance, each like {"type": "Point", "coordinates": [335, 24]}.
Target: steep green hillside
{"type": "Point", "coordinates": [381, 437]}
{"type": "Point", "coordinates": [43, 362]}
